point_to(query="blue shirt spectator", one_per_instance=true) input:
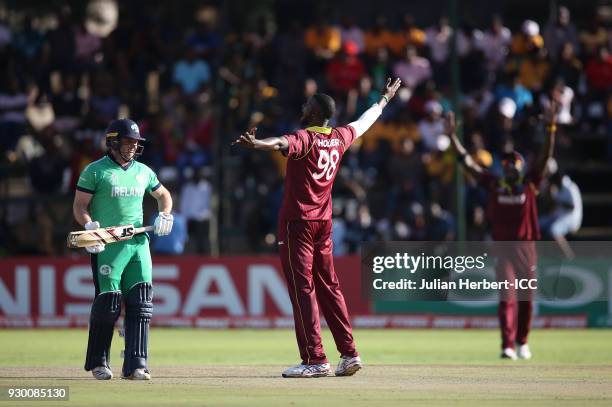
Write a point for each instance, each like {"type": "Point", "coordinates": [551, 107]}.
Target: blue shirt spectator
{"type": "Point", "coordinates": [191, 73]}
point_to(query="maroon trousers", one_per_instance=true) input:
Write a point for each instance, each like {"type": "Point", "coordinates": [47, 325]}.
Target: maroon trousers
{"type": "Point", "coordinates": [517, 261]}
{"type": "Point", "coordinates": [307, 261]}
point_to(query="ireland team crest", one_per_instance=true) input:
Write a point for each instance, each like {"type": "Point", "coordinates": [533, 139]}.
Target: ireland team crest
{"type": "Point", "coordinates": [105, 269]}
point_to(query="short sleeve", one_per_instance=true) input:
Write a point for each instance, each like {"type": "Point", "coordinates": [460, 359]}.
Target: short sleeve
{"type": "Point", "coordinates": [299, 144]}
{"type": "Point", "coordinates": [87, 181]}
{"type": "Point", "coordinates": [347, 135]}
{"type": "Point", "coordinates": [154, 183]}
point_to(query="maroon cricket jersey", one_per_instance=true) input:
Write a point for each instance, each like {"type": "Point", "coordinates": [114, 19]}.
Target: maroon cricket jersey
{"type": "Point", "coordinates": [313, 160]}
{"type": "Point", "coordinates": [512, 210]}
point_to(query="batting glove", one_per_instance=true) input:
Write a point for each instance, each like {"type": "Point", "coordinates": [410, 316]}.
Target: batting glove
{"type": "Point", "coordinates": [163, 224]}
{"type": "Point", "coordinates": [99, 247]}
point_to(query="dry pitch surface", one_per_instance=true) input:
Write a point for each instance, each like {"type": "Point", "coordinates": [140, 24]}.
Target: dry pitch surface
{"type": "Point", "coordinates": [236, 368]}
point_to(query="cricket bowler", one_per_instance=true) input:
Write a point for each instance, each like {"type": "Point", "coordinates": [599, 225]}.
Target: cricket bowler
{"type": "Point", "coordinates": [305, 225]}
{"type": "Point", "coordinates": [513, 215]}
{"type": "Point", "coordinates": [110, 193]}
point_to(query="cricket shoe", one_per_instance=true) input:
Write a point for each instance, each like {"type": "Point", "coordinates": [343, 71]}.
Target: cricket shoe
{"type": "Point", "coordinates": [102, 373]}
{"type": "Point", "coordinates": [524, 352]}
{"type": "Point", "coordinates": [509, 353]}
{"type": "Point", "coordinates": [138, 374]}
{"type": "Point", "coordinates": [308, 370]}
{"type": "Point", "coordinates": [348, 366]}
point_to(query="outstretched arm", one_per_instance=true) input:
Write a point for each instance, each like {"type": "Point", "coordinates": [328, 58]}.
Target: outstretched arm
{"type": "Point", "coordinates": [368, 117]}
{"type": "Point", "coordinates": [248, 140]}
{"type": "Point", "coordinates": [468, 162]}
{"type": "Point", "coordinates": [550, 116]}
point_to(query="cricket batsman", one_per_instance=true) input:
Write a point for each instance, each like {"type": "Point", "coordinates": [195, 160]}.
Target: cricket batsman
{"type": "Point", "coordinates": [513, 215]}
{"type": "Point", "coordinates": [109, 193]}
{"type": "Point", "coordinates": [305, 225]}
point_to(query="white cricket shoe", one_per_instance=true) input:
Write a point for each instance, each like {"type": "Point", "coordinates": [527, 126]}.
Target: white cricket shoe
{"type": "Point", "coordinates": [308, 370]}
{"type": "Point", "coordinates": [348, 366]}
{"type": "Point", "coordinates": [102, 373]}
{"type": "Point", "coordinates": [524, 352]}
{"type": "Point", "coordinates": [139, 374]}
{"type": "Point", "coordinates": [509, 353]}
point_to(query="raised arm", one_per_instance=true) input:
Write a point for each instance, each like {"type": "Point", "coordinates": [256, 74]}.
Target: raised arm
{"type": "Point", "coordinates": [367, 119]}
{"type": "Point", "coordinates": [468, 162]}
{"type": "Point", "coordinates": [248, 140]}
{"type": "Point", "coordinates": [550, 116]}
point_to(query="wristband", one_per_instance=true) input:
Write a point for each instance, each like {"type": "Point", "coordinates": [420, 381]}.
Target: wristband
{"type": "Point", "coordinates": [386, 98]}
{"type": "Point", "coordinates": [552, 128]}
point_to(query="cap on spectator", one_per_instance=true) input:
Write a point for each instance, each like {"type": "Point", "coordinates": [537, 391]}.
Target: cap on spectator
{"type": "Point", "coordinates": [433, 106]}
{"type": "Point", "coordinates": [507, 108]}
{"type": "Point", "coordinates": [350, 48]}
{"type": "Point", "coordinates": [530, 28]}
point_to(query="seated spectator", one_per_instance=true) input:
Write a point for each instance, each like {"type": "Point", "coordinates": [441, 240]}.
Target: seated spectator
{"type": "Point", "coordinates": [413, 69]}
{"type": "Point", "coordinates": [191, 73]}
{"type": "Point", "coordinates": [104, 103]}
{"type": "Point", "coordinates": [204, 41]}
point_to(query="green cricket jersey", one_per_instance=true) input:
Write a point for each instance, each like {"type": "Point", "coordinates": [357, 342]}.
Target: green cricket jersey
{"type": "Point", "coordinates": [117, 191]}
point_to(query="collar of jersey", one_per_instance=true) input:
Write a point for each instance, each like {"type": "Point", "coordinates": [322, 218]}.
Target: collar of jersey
{"type": "Point", "coordinates": [110, 156]}
{"type": "Point", "coordinates": [318, 129]}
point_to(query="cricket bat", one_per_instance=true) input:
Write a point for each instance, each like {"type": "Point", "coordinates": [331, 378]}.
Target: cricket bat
{"type": "Point", "coordinates": [87, 238]}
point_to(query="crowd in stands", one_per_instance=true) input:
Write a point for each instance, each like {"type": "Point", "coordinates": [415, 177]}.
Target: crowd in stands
{"type": "Point", "coordinates": [193, 87]}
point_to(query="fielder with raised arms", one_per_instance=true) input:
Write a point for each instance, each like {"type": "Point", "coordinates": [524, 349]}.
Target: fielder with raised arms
{"type": "Point", "coordinates": [110, 193]}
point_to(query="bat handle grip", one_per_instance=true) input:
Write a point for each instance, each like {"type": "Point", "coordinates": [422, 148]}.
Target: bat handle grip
{"type": "Point", "coordinates": [144, 229]}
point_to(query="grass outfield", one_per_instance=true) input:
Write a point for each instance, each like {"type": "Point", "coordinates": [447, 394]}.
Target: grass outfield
{"type": "Point", "coordinates": [242, 367]}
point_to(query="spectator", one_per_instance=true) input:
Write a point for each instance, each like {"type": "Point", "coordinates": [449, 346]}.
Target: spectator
{"type": "Point", "coordinates": [323, 40]}
{"type": "Point", "coordinates": [438, 40]}
{"type": "Point", "coordinates": [345, 71]}
{"type": "Point", "coordinates": [593, 37]}
{"type": "Point", "coordinates": [513, 89]}
{"type": "Point", "coordinates": [408, 35]}
{"type": "Point", "coordinates": [432, 126]}
{"type": "Point", "coordinates": [377, 37]}
{"type": "Point", "coordinates": [527, 40]}
{"type": "Point", "coordinates": [191, 73]}
{"type": "Point", "coordinates": [564, 97]}
{"type": "Point", "coordinates": [350, 32]}
{"type": "Point", "coordinates": [413, 70]}
{"type": "Point", "coordinates": [565, 217]}
{"type": "Point", "coordinates": [568, 66]}
{"type": "Point", "coordinates": [195, 205]}
{"type": "Point", "coordinates": [599, 71]}
{"type": "Point", "coordinates": [534, 70]}
{"type": "Point", "coordinates": [559, 32]}
{"type": "Point", "coordinates": [494, 45]}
